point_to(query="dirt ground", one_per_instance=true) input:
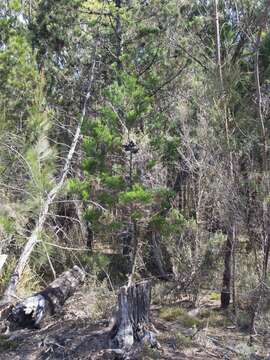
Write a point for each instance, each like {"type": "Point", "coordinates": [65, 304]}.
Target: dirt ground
{"type": "Point", "coordinates": [73, 334]}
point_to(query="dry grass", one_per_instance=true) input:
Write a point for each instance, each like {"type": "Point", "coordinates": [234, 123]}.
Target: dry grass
{"type": "Point", "coordinates": [171, 313]}
{"type": "Point", "coordinates": [215, 318]}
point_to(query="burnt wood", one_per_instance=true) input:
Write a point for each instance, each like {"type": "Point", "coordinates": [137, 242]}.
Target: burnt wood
{"type": "Point", "coordinates": [132, 318]}
{"type": "Point", "coordinates": [31, 311]}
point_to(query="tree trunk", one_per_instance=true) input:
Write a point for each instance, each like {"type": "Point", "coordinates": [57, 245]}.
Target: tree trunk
{"type": "Point", "coordinates": [265, 167]}
{"type": "Point", "coordinates": [135, 249]}
{"type": "Point", "coordinates": [226, 285]}
{"type": "Point", "coordinates": [132, 318]}
{"type": "Point", "coordinates": [87, 233]}
{"type": "Point", "coordinates": [118, 31]}
{"type": "Point", "coordinates": [30, 312]}
{"type": "Point", "coordinates": [218, 46]}
{"type": "Point", "coordinates": [3, 259]}
{"type": "Point", "coordinates": [230, 244]}
{"type": "Point", "coordinates": [158, 263]}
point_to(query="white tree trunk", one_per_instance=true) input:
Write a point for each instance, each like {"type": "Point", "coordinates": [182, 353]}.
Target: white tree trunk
{"type": "Point", "coordinates": [34, 237]}
{"type": "Point", "coordinates": [3, 259]}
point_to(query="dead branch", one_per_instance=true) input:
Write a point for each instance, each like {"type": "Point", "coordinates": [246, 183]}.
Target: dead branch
{"type": "Point", "coordinates": [34, 237]}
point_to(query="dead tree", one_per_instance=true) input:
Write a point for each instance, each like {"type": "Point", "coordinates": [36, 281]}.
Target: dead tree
{"type": "Point", "coordinates": [132, 320]}
{"type": "Point", "coordinates": [30, 312]}
{"type": "Point", "coordinates": [3, 259]}
{"type": "Point", "coordinates": [38, 228]}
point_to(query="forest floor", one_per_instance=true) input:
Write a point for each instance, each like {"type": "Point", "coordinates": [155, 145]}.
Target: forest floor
{"type": "Point", "coordinates": [183, 333]}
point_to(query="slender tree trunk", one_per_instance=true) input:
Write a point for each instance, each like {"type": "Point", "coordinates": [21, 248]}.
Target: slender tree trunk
{"type": "Point", "coordinates": [231, 239]}
{"type": "Point", "coordinates": [35, 235]}
{"type": "Point", "coordinates": [118, 31]}
{"type": "Point", "coordinates": [218, 45]}
{"type": "Point", "coordinates": [234, 272]}
{"type": "Point", "coordinates": [265, 178]}
{"type": "Point", "coordinates": [87, 233]}
{"type": "Point", "coordinates": [226, 283]}
{"type": "Point", "coordinates": [3, 259]}
{"type": "Point", "coordinates": [157, 253]}
{"type": "Point", "coordinates": [265, 181]}
{"type": "Point", "coordinates": [80, 207]}
{"type": "Point", "coordinates": [135, 250]}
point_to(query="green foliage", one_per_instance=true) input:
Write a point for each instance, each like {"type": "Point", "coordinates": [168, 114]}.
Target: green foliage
{"type": "Point", "coordinates": [265, 55]}
{"type": "Point", "coordinates": [182, 341]}
{"type": "Point", "coordinates": [96, 262]}
{"type": "Point", "coordinates": [6, 272]}
{"type": "Point", "coordinates": [214, 296]}
{"type": "Point", "coordinates": [172, 313]}
{"type": "Point", "coordinates": [128, 101]}
{"type": "Point", "coordinates": [159, 223]}
{"type": "Point", "coordinates": [149, 353]}
{"type": "Point", "coordinates": [244, 320]}
{"type": "Point", "coordinates": [176, 221]}
{"type": "Point", "coordinates": [163, 196]}
{"type": "Point", "coordinates": [147, 30]}
{"type": "Point", "coordinates": [101, 266]}
{"type": "Point", "coordinates": [104, 302]}
{"type": "Point", "coordinates": [29, 281]}
{"type": "Point", "coordinates": [8, 345]}
{"type": "Point", "coordinates": [19, 79]}
{"type": "Point", "coordinates": [102, 141]}
{"type": "Point", "coordinates": [39, 156]}
{"type": "Point", "coordinates": [215, 318]}
{"type": "Point", "coordinates": [92, 213]}
{"type": "Point", "coordinates": [136, 195]}
{"type": "Point", "coordinates": [156, 84]}
{"type": "Point", "coordinates": [114, 182]}
{"type": "Point", "coordinates": [49, 28]}
{"type": "Point", "coordinates": [170, 145]}
{"type": "Point", "coordinates": [7, 224]}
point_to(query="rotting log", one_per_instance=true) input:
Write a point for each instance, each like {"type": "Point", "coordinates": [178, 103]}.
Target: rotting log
{"type": "Point", "coordinates": [31, 311]}
{"type": "Point", "coordinates": [132, 321]}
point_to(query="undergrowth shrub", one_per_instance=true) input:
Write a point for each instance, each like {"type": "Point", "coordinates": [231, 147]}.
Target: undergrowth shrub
{"type": "Point", "coordinates": [178, 313]}
{"type": "Point", "coordinates": [105, 301]}
{"type": "Point", "coordinates": [177, 339]}
{"type": "Point", "coordinates": [7, 344]}
{"type": "Point", "coordinates": [215, 318]}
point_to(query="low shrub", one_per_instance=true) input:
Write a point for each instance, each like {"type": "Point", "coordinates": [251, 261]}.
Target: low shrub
{"type": "Point", "coordinates": [214, 296]}
{"type": "Point", "coordinates": [180, 314]}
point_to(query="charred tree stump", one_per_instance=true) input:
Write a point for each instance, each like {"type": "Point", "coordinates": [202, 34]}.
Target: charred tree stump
{"type": "Point", "coordinates": [30, 312]}
{"type": "Point", "coordinates": [132, 319]}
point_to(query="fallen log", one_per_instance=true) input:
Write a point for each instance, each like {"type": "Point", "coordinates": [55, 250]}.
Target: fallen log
{"type": "Point", "coordinates": [31, 311]}
{"type": "Point", "coordinates": [132, 323]}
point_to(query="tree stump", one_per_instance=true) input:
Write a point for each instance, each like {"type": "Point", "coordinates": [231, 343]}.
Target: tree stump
{"type": "Point", "coordinates": [30, 312]}
{"type": "Point", "coordinates": [132, 319]}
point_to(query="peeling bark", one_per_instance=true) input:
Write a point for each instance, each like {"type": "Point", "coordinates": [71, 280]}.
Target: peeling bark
{"type": "Point", "coordinates": [132, 320]}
